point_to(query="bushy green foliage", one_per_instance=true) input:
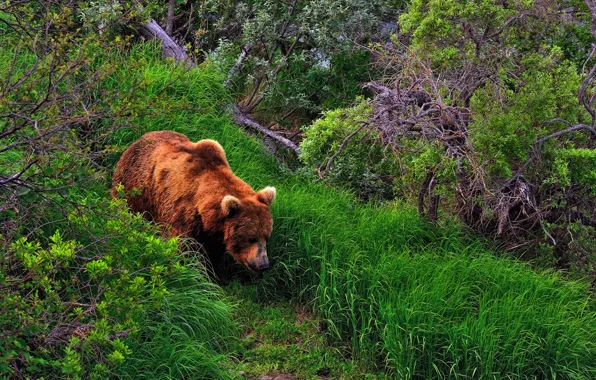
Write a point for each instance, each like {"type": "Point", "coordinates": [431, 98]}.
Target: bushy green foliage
{"type": "Point", "coordinates": [454, 34]}
{"type": "Point", "coordinates": [504, 131]}
{"type": "Point", "coordinates": [529, 78]}
{"type": "Point", "coordinates": [316, 82]}
{"type": "Point", "coordinates": [364, 165]}
{"type": "Point", "coordinates": [299, 56]}
{"type": "Point", "coordinates": [367, 166]}
{"type": "Point", "coordinates": [79, 308]}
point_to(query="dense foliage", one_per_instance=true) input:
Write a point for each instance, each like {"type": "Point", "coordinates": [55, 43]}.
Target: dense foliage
{"type": "Point", "coordinates": [367, 169]}
{"type": "Point", "coordinates": [479, 103]}
{"type": "Point", "coordinates": [90, 290]}
{"type": "Point", "coordinates": [284, 60]}
{"type": "Point", "coordinates": [80, 308]}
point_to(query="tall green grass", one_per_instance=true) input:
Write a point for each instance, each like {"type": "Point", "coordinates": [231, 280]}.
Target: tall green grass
{"type": "Point", "coordinates": [416, 300]}
{"type": "Point", "coordinates": [189, 336]}
{"type": "Point", "coordinates": [425, 302]}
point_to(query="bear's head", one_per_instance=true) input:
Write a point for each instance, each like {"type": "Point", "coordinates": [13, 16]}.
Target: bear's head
{"type": "Point", "coordinates": [247, 226]}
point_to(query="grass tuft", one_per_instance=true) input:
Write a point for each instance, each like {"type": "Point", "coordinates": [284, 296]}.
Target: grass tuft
{"type": "Point", "coordinates": [189, 336]}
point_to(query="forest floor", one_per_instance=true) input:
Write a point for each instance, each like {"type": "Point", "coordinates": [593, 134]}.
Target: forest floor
{"type": "Point", "coordinates": [283, 341]}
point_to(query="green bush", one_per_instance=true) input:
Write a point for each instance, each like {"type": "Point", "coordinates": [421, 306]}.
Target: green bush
{"type": "Point", "coordinates": [503, 132]}
{"type": "Point", "coordinates": [80, 308]}
{"type": "Point", "coordinates": [364, 165]}
{"type": "Point", "coordinates": [317, 83]}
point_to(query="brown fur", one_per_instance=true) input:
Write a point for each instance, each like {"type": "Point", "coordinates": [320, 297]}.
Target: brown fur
{"type": "Point", "coordinates": [183, 185]}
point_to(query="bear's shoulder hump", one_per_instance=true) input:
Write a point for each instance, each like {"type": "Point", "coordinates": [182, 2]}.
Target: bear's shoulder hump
{"type": "Point", "coordinates": [209, 151]}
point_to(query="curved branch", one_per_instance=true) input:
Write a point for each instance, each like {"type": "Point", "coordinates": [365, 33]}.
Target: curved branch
{"type": "Point", "coordinates": [341, 148]}
{"type": "Point", "coordinates": [537, 145]}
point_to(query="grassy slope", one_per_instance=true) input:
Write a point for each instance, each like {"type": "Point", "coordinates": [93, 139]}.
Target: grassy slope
{"type": "Point", "coordinates": [285, 339]}
{"type": "Point", "coordinates": [425, 302]}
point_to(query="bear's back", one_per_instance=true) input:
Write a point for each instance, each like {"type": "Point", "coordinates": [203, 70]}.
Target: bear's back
{"type": "Point", "coordinates": [174, 176]}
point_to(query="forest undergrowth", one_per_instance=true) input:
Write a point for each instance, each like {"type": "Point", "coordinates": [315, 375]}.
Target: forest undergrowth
{"type": "Point", "coordinates": [395, 292]}
{"type": "Point", "coordinates": [391, 294]}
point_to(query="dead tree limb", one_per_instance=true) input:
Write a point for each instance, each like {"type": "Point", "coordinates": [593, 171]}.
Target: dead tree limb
{"type": "Point", "coordinates": [246, 120]}
{"type": "Point", "coordinates": [170, 49]}
{"type": "Point", "coordinates": [170, 20]}
{"type": "Point", "coordinates": [236, 68]}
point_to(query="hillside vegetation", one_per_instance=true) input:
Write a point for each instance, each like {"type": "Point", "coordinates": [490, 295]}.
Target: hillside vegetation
{"type": "Point", "coordinates": [90, 290]}
{"type": "Point", "coordinates": [399, 294]}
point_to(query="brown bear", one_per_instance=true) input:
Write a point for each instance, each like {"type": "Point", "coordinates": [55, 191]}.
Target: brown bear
{"type": "Point", "coordinates": [190, 188]}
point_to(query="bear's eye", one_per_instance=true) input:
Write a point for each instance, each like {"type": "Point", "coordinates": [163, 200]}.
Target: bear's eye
{"type": "Point", "coordinates": [252, 241]}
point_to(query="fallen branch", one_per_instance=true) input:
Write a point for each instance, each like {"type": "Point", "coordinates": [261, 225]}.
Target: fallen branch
{"type": "Point", "coordinates": [247, 121]}
{"type": "Point", "coordinates": [170, 49]}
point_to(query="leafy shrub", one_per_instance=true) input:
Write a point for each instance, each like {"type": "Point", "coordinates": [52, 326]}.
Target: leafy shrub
{"type": "Point", "coordinates": [503, 132]}
{"type": "Point", "coordinates": [79, 308]}
{"type": "Point", "coordinates": [363, 165]}
{"type": "Point", "coordinates": [315, 82]}
{"type": "Point", "coordinates": [504, 135]}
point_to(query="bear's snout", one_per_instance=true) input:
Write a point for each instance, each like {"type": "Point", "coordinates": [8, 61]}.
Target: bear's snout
{"type": "Point", "coordinates": [260, 264]}
{"type": "Point", "coordinates": [264, 266]}
{"type": "Point", "coordinates": [260, 261]}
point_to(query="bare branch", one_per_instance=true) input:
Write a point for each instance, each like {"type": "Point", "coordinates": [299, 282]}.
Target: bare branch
{"type": "Point", "coordinates": [170, 49]}
{"type": "Point", "coordinates": [14, 177]}
{"type": "Point", "coordinates": [246, 120]}
{"type": "Point", "coordinates": [170, 19]}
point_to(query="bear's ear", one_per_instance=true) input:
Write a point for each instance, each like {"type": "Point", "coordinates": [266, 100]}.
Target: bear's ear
{"type": "Point", "coordinates": [267, 195]}
{"type": "Point", "coordinates": [229, 204]}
